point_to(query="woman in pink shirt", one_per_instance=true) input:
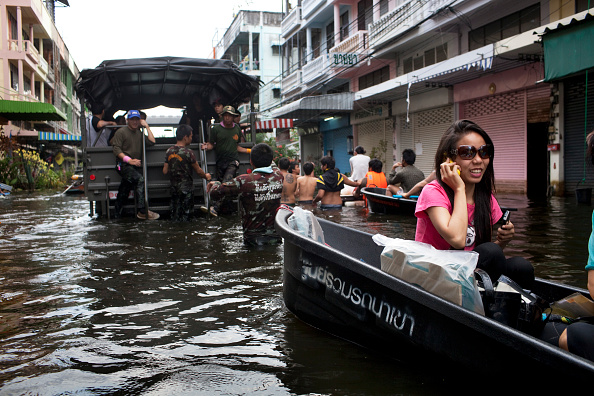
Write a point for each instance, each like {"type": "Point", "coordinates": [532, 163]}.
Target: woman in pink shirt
{"type": "Point", "coordinates": [458, 210]}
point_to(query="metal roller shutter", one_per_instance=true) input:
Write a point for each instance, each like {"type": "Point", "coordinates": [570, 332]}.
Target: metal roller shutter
{"type": "Point", "coordinates": [371, 134]}
{"type": "Point", "coordinates": [503, 118]}
{"type": "Point", "coordinates": [574, 149]}
{"type": "Point", "coordinates": [424, 131]}
{"type": "Point", "coordinates": [429, 127]}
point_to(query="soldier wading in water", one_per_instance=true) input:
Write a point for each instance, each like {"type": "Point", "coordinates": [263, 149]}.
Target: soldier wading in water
{"type": "Point", "coordinates": [259, 195]}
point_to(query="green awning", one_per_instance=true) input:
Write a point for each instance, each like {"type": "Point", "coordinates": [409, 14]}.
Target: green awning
{"type": "Point", "coordinates": [17, 110]}
{"type": "Point", "coordinates": [568, 49]}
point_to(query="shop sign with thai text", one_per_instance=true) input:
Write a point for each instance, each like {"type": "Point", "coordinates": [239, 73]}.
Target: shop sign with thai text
{"type": "Point", "coordinates": [339, 59]}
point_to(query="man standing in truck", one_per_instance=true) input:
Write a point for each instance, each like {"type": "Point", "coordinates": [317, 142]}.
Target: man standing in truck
{"type": "Point", "coordinates": [127, 147]}
{"type": "Point", "coordinates": [224, 139]}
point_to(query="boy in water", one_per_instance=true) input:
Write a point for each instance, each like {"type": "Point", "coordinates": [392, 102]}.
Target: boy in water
{"type": "Point", "coordinates": [330, 184]}
{"type": "Point", "coordinates": [179, 162]}
{"type": "Point", "coordinates": [306, 185]}
{"type": "Point", "coordinates": [289, 182]}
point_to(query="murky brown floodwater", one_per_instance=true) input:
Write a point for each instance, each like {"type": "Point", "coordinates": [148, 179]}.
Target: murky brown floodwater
{"type": "Point", "coordinates": [159, 308]}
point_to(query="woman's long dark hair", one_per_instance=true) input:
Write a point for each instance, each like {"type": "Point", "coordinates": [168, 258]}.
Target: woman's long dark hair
{"type": "Point", "coordinates": [590, 144]}
{"type": "Point", "coordinates": [483, 190]}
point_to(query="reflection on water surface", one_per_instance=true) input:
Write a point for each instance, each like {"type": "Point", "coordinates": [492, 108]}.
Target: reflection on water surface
{"type": "Point", "coordinates": [134, 307]}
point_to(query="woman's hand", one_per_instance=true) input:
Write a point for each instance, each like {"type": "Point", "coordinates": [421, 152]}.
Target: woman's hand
{"type": "Point", "coordinates": [450, 175]}
{"type": "Point", "coordinates": [505, 233]}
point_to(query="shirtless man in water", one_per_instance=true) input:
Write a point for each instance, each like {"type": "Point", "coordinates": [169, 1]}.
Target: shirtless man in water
{"type": "Point", "coordinates": [289, 182]}
{"type": "Point", "coordinates": [306, 185]}
{"type": "Point", "coordinates": [330, 184]}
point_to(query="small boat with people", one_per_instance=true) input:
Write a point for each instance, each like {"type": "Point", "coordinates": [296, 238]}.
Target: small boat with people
{"type": "Point", "coordinates": [5, 190]}
{"type": "Point", "coordinates": [379, 202]}
{"type": "Point", "coordinates": [333, 280]}
{"type": "Point", "coordinates": [76, 187]}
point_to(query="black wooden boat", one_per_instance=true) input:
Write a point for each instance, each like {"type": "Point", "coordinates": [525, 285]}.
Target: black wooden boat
{"type": "Point", "coordinates": [379, 202]}
{"type": "Point", "coordinates": [338, 287]}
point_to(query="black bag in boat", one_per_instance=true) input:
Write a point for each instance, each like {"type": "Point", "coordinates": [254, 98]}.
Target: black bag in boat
{"type": "Point", "coordinates": [504, 307]}
{"type": "Point", "coordinates": [530, 319]}
{"type": "Point", "coordinates": [519, 309]}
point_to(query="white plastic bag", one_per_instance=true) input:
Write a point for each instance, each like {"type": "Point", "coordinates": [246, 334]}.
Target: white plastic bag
{"type": "Point", "coordinates": [445, 273]}
{"type": "Point", "coordinates": [306, 224]}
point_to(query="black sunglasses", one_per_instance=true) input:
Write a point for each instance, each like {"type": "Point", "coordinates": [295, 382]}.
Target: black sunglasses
{"type": "Point", "coordinates": [468, 152]}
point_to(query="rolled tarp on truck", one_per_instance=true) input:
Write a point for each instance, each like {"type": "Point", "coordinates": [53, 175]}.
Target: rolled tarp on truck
{"type": "Point", "coordinates": [184, 83]}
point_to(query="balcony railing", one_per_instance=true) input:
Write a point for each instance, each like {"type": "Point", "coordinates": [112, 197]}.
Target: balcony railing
{"type": "Point", "coordinates": [402, 18]}
{"type": "Point", "coordinates": [291, 82]}
{"type": "Point", "coordinates": [43, 67]}
{"type": "Point", "coordinates": [309, 6]}
{"type": "Point", "coordinates": [28, 48]}
{"type": "Point", "coordinates": [315, 69]}
{"type": "Point", "coordinates": [291, 22]}
{"type": "Point", "coordinates": [356, 43]}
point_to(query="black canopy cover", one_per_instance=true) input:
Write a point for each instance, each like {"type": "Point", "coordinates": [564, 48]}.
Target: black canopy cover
{"type": "Point", "coordinates": [144, 83]}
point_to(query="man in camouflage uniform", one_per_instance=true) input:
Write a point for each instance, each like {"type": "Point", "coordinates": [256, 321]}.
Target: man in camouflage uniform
{"type": "Point", "coordinates": [224, 139]}
{"type": "Point", "coordinates": [259, 196]}
{"type": "Point", "coordinates": [179, 162]}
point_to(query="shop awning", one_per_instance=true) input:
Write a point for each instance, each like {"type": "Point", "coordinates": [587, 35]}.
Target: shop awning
{"type": "Point", "coordinates": [17, 110]}
{"type": "Point", "coordinates": [312, 107]}
{"type": "Point", "coordinates": [568, 48]}
{"type": "Point", "coordinates": [62, 137]}
{"type": "Point", "coordinates": [277, 123]}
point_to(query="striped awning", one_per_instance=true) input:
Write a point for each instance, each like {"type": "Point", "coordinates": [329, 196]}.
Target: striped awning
{"type": "Point", "coordinates": [276, 123]}
{"type": "Point", "coordinates": [58, 137]}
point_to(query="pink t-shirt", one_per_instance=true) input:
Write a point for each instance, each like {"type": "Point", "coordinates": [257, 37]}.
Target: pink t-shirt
{"type": "Point", "coordinates": [433, 194]}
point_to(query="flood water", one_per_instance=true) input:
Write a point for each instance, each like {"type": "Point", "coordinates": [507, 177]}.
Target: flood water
{"type": "Point", "coordinates": [160, 308]}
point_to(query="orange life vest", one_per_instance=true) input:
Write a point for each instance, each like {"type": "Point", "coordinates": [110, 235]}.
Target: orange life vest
{"type": "Point", "coordinates": [375, 179]}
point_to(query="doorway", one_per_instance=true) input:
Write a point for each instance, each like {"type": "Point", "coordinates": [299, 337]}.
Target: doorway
{"type": "Point", "coordinates": [537, 157]}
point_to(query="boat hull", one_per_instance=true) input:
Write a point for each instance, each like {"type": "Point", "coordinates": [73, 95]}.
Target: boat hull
{"type": "Point", "coordinates": [379, 202]}
{"type": "Point", "coordinates": [339, 288]}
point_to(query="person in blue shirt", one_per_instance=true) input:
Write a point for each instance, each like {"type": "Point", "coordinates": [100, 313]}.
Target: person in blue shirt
{"type": "Point", "coordinates": [577, 337]}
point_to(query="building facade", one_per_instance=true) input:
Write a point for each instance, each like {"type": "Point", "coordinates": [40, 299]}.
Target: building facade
{"type": "Point", "coordinates": [36, 67]}
{"type": "Point", "coordinates": [252, 42]}
{"type": "Point", "coordinates": [402, 71]}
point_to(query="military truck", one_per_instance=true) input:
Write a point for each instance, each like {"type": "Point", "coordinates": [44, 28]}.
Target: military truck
{"type": "Point", "coordinates": [180, 83]}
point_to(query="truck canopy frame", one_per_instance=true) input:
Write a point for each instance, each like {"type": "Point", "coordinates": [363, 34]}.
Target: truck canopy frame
{"type": "Point", "coordinates": [144, 83]}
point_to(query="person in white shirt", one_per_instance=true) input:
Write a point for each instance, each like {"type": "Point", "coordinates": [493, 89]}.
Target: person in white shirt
{"type": "Point", "coordinates": [359, 164]}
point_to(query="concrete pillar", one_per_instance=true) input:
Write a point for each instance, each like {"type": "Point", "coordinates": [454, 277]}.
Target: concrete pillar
{"type": "Point", "coordinates": [309, 49]}
{"type": "Point", "coordinates": [376, 11]}
{"type": "Point", "coordinates": [19, 19]}
{"type": "Point", "coordinates": [336, 24]}
{"type": "Point", "coordinates": [21, 80]}
{"type": "Point", "coordinates": [251, 52]}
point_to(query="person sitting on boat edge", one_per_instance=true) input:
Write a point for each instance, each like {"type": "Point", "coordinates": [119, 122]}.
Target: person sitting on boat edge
{"type": "Point", "coordinates": [289, 182]}
{"type": "Point", "coordinates": [416, 190]}
{"type": "Point", "coordinates": [359, 164]}
{"type": "Point", "coordinates": [259, 194]}
{"type": "Point", "coordinates": [458, 210]}
{"type": "Point", "coordinates": [400, 182]}
{"type": "Point", "coordinates": [577, 337]}
{"type": "Point", "coordinates": [306, 185]}
{"type": "Point", "coordinates": [179, 162]}
{"type": "Point", "coordinates": [374, 177]}
{"type": "Point", "coordinates": [330, 183]}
